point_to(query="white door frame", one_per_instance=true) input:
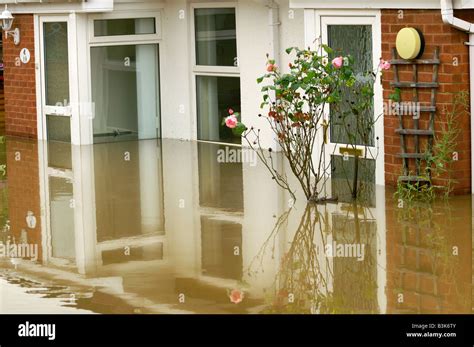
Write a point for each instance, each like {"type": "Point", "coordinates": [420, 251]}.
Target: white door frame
{"type": "Point", "coordinates": [59, 110]}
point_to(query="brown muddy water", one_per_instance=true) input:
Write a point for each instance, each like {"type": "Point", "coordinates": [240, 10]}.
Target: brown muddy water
{"type": "Point", "coordinates": [165, 227]}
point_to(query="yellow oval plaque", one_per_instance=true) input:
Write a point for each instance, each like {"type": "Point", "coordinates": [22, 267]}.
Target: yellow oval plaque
{"type": "Point", "coordinates": [408, 43]}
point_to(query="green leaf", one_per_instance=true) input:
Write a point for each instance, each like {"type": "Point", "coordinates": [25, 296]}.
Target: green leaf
{"type": "Point", "coordinates": [260, 79]}
{"type": "Point", "coordinates": [327, 49]}
{"type": "Point", "coordinates": [396, 96]}
{"type": "Point", "coordinates": [239, 129]}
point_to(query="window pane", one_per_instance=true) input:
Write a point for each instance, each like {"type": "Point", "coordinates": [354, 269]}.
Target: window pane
{"type": "Point", "coordinates": [125, 91]}
{"type": "Point", "coordinates": [125, 26]}
{"type": "Point", "coordinates": [215, 95]}
{"type": "Point", "coordinates": [354, 40]}
{"type": "Point", "coordinates": [56, 63]}
{"type": "Point", "coordinates": [59, 128]}
{"type": "Point", "coordinates": [216, 39]}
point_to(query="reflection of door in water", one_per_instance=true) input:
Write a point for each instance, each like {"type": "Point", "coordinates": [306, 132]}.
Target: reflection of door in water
{"type": "Point", "coordinates": [128, 193]}
{"type": "Point", "coordinates": [355, 270]}
{"type": "Point", "coordinates": [62, 219]}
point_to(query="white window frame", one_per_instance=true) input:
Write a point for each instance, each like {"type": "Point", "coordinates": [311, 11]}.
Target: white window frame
{"type": "Point", "coordinates": [205, 70]}
{"type": "Point", "coordinates": [125, 15]}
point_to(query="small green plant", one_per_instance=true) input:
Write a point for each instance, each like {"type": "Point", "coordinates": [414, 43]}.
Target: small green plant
{"type": "Point", "coordinates": [445, 143]}
{"type": "Point", "coordinates": [396, 96]}
{"type": "Point", "coordinates": [440, 159]}
{"type": "Point", "coordinates": [416, 191]}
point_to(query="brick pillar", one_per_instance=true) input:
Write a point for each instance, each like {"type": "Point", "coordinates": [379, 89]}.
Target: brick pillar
{"type": "Point", "coordinates": [20, 87]}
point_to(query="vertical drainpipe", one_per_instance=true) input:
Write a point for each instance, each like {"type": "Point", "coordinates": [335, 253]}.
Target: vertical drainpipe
{"type": "Point", "coordinates": [447, 13]}
{"type": "Point", "coordinates": [274, 53]}
{"type": "Point", "coordinates": [274, 23]}
{"type": "Point", "coordinates": [471, 95]}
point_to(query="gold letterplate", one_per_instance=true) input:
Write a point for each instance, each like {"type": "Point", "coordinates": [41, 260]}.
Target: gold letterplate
{"type": "Point", "coordinates": [351, 152]}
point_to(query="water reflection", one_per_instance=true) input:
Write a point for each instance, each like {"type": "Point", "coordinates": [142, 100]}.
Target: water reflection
{"type": "Point", "coordinates": [164, 227]}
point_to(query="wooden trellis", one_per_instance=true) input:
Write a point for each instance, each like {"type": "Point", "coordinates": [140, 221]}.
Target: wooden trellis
{"type": "Point", "coordinates": [416, 132]}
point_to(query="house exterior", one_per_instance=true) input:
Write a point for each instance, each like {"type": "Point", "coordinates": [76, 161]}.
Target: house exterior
{"type": "Point", "coordinates": [109, 70]}
{"type": "Point", "coordinates": [102, 71]}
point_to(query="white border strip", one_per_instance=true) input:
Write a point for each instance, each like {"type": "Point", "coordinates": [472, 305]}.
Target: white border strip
{"type": "Point", "coordinates": [376, 4]}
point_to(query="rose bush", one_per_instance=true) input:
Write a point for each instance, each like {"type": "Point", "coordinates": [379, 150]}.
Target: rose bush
{"type": "Point", "coordinates": [298, 105]}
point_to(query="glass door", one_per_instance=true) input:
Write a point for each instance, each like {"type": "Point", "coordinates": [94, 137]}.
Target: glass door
{"type": "Point", "coordinates": [125, 92]}
{"type": "Point", "coordinates": [125, 76]}
{"type": "Point", "coordinates": [358, 37]}
{"type": "Point", "coordinates": [56, 88]}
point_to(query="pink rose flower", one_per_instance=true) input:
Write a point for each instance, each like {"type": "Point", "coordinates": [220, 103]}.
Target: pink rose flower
{"type": "Point", "coordinates": [271, 67]}
{"type": "Point", "coordinates": [338, 62]}
{"type": "Point", "coordinates": [384, 65]}
{"type": "Point", "coordinates": [236, 296]}
{"type": "Point", "coordinates": [231, 121]}
{"type": "Point", "coordinates": [231, 111]}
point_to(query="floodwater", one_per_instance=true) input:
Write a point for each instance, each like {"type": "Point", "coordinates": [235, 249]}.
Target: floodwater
{"type": "Point", "coordinates": [165, 227]}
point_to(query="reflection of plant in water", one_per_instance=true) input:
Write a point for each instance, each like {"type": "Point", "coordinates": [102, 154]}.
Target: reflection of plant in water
{"type": "Point", "coordinates": [300, 270]}
{"type": "Point", "coordinates": [309, 281]}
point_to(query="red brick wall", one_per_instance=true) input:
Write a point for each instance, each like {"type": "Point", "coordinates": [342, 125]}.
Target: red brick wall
{"type": "Point", "coordinates": [452, 79]}
{"type": "Point", "coordinates": [20, 90]}
{"type": "Point", "coordinates": [23, 188]}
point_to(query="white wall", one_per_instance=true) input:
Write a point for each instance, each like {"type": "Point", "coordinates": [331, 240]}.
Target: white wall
{"type": "Point", "coordinates": [176, 72]}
